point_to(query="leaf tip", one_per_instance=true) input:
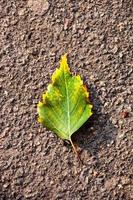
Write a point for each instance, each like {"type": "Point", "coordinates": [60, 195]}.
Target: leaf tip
{"type": "Point", "coordinates": [63, 63]}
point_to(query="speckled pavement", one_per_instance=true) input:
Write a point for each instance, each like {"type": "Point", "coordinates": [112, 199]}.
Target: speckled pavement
{"type": "Point", "coordinates": [98, 37]}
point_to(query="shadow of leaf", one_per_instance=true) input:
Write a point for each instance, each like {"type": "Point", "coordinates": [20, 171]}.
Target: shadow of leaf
{"type": "Point", "coordinates": [98, 131]}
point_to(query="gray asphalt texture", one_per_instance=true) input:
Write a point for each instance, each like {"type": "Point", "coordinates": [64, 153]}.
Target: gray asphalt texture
{"type": "Point", "coordinates": [98, 37]}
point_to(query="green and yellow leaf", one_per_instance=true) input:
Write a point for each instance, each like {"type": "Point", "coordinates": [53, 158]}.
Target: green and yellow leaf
{"type": "Point", "coordinates": [65, 105]}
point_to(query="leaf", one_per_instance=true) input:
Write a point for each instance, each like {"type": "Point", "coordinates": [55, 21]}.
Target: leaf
{"type": "Point", "coordinates": [65, 105]}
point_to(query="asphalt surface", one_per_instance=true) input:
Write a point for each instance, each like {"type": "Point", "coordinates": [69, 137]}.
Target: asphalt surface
{"type": "Point", "coordinates": [98, 37]}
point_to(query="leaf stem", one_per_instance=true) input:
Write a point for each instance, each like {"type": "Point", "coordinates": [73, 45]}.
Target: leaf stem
{"type": "Point", "coordinates": [75, 150]}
